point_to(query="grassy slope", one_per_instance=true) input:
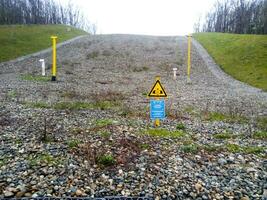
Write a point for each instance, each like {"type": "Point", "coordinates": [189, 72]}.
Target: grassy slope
{"type": "Point", "coordinates": [242, 56]}
{"type": "Point", "coordinates": [19, 40]}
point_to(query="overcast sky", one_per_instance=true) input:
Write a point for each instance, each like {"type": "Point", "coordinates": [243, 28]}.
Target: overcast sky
{"type": "Point", "coordinates": [150, 17]}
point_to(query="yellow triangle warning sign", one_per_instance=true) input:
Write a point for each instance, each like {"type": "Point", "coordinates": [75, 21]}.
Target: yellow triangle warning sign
{"type": "Point", "coordinates": [157, 90]}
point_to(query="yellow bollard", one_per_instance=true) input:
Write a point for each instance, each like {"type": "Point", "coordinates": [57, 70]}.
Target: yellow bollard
{"type": "Point", "coordinates": [54, 67]}
{"type": "Point", "coordinates": [189, 58]}
{"type": "Point", "coordinates": [157, 121]}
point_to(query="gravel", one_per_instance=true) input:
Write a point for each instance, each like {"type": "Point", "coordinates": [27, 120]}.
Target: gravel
{"type": "Point", "coordinates": [103, 151]}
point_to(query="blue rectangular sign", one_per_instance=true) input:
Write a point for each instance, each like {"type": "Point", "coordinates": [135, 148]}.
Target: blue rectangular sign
{"type": "Point", "coordinates": [157, 109]}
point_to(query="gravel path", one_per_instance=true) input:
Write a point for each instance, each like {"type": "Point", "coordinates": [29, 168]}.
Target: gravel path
{"type": "Point", "coordinates": [49, 147]}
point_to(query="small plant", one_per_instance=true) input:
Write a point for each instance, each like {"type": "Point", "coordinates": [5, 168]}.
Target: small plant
{"type": "Point", "coordinates": [36, 78]}
{"type": "Point", "coordinates": [140, 69]}
{"type": "Point", "coordinates": [233, 148]}
{"type": "Point", "coordinates": [43, 158]}
{"type": "Point", "coordinates": [104, 122]}
{"type": "Point", "coordinates": [144, 146]}
{"type": "Point", "coordinates": [92, 55]}
{"type": "Point", "coordinates": [211, 148]}
{"type": "Point", "coordinates": [106, 160]}
{"type": "Point", "coordinates": [106, 53]}
{"type": "Point", "coordinates": [73, 106]}
{"type": "Point", "coordinates": [262, 123]}
{"type": "Point", "coordinates": [261, 135]}
{"type": "Point", "coordinates": [3, 161]}
{"type": "Point", "coordinates": [37, 105]}
{"type": "Point", "coordinates": [105, 134]}
{"type": "Point", "coordinates": [253, 150]}
{"type": "Point", "coordinates": [73, 143]}
{"type": "Point", "coordinates": [180, 126]}
{"type": "Point", "coordinates": [164, 133]}
{"type": "Point", "coordinates": [191, 148]}
{"type": "Point", "coordinates": [12, 94]}
{"type": "Point", "coordinates": [223, 136]}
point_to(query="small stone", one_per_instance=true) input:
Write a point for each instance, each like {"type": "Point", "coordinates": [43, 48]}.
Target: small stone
{"type": "Point", "coordinates": [79, 193]}
{"type": "Point", "coordinates": [120, 172]}
{"type": "Point", "coordinates": [222, 161]}
{"type": "Point", "coordinates": [35, 195]}
{"type": "Point", "coordinates": [245, 198]}
{"type": "Point", "coordinates": [20, 194]}
{"type": "Point", "coordinates": [198, 187]}
{"type": "Point", "coordinates": [251, 170]}
{"type": "Point", "coordinates": [28, 194]}
{"type": "Point", "coordinates": [8, 194]}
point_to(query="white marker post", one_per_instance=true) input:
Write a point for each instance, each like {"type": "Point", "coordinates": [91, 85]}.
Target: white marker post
{"type": "Point", "coordinates": [174, 73]}
{"type": "Point", "coordinates": [43, 66]}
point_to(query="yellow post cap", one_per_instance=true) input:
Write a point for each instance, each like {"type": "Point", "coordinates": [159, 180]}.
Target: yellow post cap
{"type": "Point", "coordinates": [53, 37]}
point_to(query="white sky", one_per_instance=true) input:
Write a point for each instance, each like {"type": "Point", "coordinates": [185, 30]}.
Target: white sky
{"type": "Point", "coordinates": [149, 17]}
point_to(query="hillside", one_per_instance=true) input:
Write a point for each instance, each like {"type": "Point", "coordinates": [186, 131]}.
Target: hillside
{"type": "Point", "coordinates": [89, 134]}
{"type": "Point", "coordinates": [20, 40]}
{"type": "Point", "coordinates": [242, 56]}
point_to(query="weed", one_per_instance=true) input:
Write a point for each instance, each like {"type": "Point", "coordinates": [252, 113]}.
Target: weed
{"type": "Point", "coordinates": [144, 146]}
{"type": "Point", "coordinates": [223, 136]}
{"type": "Point", "coordinates": [140, 69]}
{"type": "Point", "coordinates": [37, 105]}
{"type": "Point", "coordinates": [106, 53]}
{"type": "Point", "coordinates": [233, 148]}
{"type": "Point", "coordinates": [253, 150]}
{"type": "Point", "coordinates": [262, 123]}
{"type": "Point", "coordinates": [164, 133]}
{"type": "Point", "coordinates": [3, 161]}
{"type": "Point", "coordinates": [104, 122]}
{"type": "Point", "coordinates": [211, 148]}
{"type": "Point", "coordinates": [43, 158]}
{"type": "Point", "coordinates": [12, 94]}
{"type": "Point", "coordinates": [73, 143]}
{"type": "Point", "coordinates": [73, 105]}
{"type": "Point", "coordinates": [262, 135]}
{"type": "Point", "coordinates": [105, 134]}
{"type": "Point", "coordinates": [180, 126]}
{"type": "Point", "coordinates": [92, 55]}
{"type": "Point", "coordinates": [106, 160]}
{"type": "Point", "coordinates": [191, 148]}
{"type": "Point", "coordinates": [36, 78]}
{"type": "Point", "coordinates": [216, 116]}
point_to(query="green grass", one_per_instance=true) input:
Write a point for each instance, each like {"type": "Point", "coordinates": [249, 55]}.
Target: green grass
{"type": "Point", "coordinates": [104, 122]}
{"type": "Point", "coordinates": [106, 160]}
{"type": "Point", "coordinates": [164, 133]}
{"type": "Point", "coordinates": [216, 116]}
{"type": "Point", "coordinates": [223, 136]}
{"type": "Point", "coordinates": [73, 143]}
{"type": "Point", "coordinates": [242, 56]}
{"type": "Point", "coordinates": [20, 40]}
{"type": "Point", "coordinates": [234, 148]}
{"type": "Point", "coordinates": [261, 135]}
{"type": "Point", "coordinates": [36, 78]}
{"type": "Point", "coordinates": [190, 148]}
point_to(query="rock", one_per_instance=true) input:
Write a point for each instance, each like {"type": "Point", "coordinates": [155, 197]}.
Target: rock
{"type": "Point", "coordinates": [198, 187]}
{"type": "Point", "coordinates": [120, 172]}
{"type": "Point", "coordinates": [79, 193]}
{"type": "Point", "coordinates": [245, 198]}
{"type": "Point", "coordinates": [251, 170]}
{"type": "Point", "coordinates": [8, 194]}
{"type": "Point", "coordinates": [20, 194]}
{"type": "Point", "coordinates": [35, 195]}
{"type": "Point", "coordinates": [27, 194]}
{"type": "Point", "coordinates": [222, 161]}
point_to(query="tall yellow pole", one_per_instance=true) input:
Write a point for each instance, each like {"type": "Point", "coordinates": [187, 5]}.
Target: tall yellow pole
{"type": "Point", "coordinates": [157, 121]}
{"type": "Point", "coordinates": [189, 58]}
{"type": "Point", "coordinates": [54, 67]}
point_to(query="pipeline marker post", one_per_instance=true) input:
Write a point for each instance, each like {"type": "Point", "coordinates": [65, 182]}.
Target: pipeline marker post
{"type": "Point", "coordinates": [42, 61]}
{"type": "Point", "coordinates": [157, 106]}
{"type": "Point", "coordinates": [189, 59]}
{"type": "Point", "coordinates": [54, 66]}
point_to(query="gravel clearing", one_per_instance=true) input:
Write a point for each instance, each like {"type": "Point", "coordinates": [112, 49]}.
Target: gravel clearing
{"type": "Point", "coordinates": [89, 133]}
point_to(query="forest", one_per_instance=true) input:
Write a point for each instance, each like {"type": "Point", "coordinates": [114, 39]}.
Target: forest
{"type": "Point", "coordinates": [42, 12]}
{"type": "Point", "coordinates": [235, 16]}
